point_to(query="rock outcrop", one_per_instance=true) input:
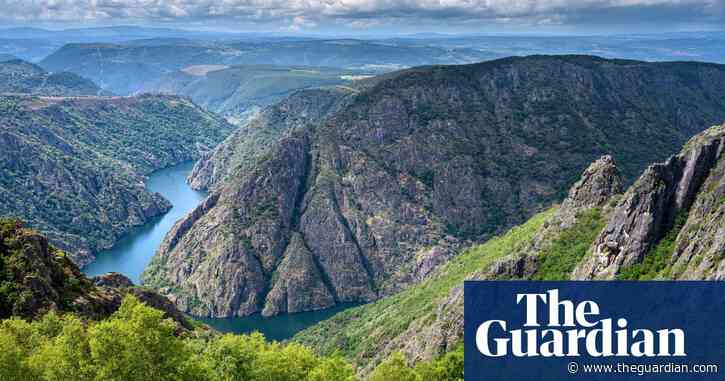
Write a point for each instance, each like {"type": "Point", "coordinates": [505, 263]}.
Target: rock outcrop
{"type": "Point", "coordinates": [435, 157]}
{"type": "Point", "coordinates": [598, 185]}
{"type": "Point", "coordinates": [650, 208]}
{"type": "Point", "coordinates": [74, 168]}
{"type": "Point", "coordinates": [38, 278]}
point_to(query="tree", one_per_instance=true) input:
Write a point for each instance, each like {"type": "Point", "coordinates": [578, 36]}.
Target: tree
{"type": "Point", "coordinates": [394, 368]}
{"type": "Point", "coordinates": [332, 368]}
{"type": "Point", "coordinates": [232, 357]}
{"type": "Point", "coordinates": [137, 343]}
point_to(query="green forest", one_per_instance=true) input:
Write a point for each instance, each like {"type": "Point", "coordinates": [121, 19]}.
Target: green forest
{"type": "Point", "coordinates": [138, 343]}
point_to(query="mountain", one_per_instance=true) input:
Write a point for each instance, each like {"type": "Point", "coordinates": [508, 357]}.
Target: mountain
{"type": "Point", "coordinates": [126, 68]}
{"type": "Point", "coordinates": [236, 89]}
{"type": "Point", "coordinates": [37, 278]}
{"type": "Point", "coordinates": [414, 165]}
{"type": "Point", "coordinates": [241, 150]}
{"type": "Point", "coordinates": [7, 57]}
{"type": "Point", "coordinates": [667, 225]}
{"type": "Point", "coordinates": [73, 168]}
{"type": "Point", "coordinates": [20, 77]}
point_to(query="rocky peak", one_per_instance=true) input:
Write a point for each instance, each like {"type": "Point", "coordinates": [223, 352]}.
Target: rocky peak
{"type": "Point", "coordinates": [648, 210]}
{"type": "Point", "coordinates": [594, 189]}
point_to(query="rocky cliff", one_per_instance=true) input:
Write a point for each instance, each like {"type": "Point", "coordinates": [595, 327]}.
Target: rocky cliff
{"type": "Point", "coordinates": [36, 277]}
{"type": "Point", "coordinates": [74, 167]}
{"type": "Point", "coordinates": [241, 150]}
{"type": "Point", "coordinates": [593, 234]}
{"type": "Point", "coordinates": [426, 320]}
{"type": "Point", "coordinates": [670, 223]}
{"type": "Point", "coordinates": [417, 164]}
{"type": "Point", "coordinates": [20, 77]}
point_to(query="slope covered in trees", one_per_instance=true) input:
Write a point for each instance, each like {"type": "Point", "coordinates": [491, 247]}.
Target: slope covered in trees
{"type": "Point", "coordinates": [20, 77]}
{"type": "Point", "coordinates": [73, 168]}
{"type": "Point", "coordinates": [56, 324]}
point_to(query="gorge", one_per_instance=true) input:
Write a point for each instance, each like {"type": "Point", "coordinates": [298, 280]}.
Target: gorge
{"type": "Point", "coordinates": [134, 251]}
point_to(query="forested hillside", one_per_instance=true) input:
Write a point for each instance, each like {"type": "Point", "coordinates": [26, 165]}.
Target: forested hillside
{"type": "Point", "coordinates": [20, 77]}
{"type": "Point", "coordinates": [59, 325]}
{"type": "Point", "coordinates": [74, 168]}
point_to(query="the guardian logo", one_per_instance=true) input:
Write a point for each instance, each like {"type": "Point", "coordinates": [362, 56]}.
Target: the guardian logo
{"type": "Point", "coordinates": [572, 330]}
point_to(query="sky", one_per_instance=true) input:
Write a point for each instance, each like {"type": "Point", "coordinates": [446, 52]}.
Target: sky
{"type": "Point", "coordinates": [376, 16]}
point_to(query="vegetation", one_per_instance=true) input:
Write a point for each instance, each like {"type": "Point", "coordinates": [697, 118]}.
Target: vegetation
{"type": "Point", "coordinates": [18, 76]}
{"type": "Point", "coordinates": [137, 343]}
{"type": "Point", "coordinates": [560, 257]}
{"type": "Point", "coordinates": [656, 262]}
{"type": "Point", "coordinates": [72, 168]}
{"type": "Point", "coordinates": [16, 265]}
{"type": "Point", "coordinates": [359, 333]}
{"type": "Point", "coordinates": [449, 367]}
{"type": "Point", "coordinates": [233, 90]}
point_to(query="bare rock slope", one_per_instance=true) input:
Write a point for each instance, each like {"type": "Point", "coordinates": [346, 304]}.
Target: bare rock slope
{"type": "Point", "coordinates": [411, 166]}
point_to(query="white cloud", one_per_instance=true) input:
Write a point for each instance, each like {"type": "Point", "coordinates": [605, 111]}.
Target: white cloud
{"type": "Point", "coordinates": [300, 14]}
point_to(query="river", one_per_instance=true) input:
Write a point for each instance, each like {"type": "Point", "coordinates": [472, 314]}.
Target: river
{"type": "Point", "coordinates": [134, 251]}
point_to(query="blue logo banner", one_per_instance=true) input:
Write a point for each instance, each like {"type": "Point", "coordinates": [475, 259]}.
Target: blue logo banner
{"type": "Point", "coordinates": [523, 330]}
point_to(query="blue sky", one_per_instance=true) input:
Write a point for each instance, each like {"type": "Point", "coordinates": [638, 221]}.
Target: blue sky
{"type": "Point", "coordinates": [370, 16]}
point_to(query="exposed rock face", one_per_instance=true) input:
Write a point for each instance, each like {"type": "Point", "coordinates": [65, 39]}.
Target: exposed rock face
{"type": "Point", "coordinates": [38, 278]}
{"type": "Point", "coordinates": [429, 335]}
{"type": "Point", "coordinates": [428, 157]}
{"type": "Point", "coordinates": [239, 151]}
{"type": "Point", "coordinates": [649, 208]}
{"type": "Point", "coordinates": [301, 286]}
{"type": "Point", "coordinates": [698, 253]}
{"type": "Point", "coordinates": [74, 168]}
{"type": "Point", "coordinates": [596, 187]}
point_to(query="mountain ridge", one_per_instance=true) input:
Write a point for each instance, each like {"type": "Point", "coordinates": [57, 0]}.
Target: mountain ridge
{"type": "Point", "coordinates": [563, 243]}
{"type": "Point", "coordinates": [417, 164]}
{"type": "Point", "coordinates": [74, 167]}
{"type": "Point", "coordinates": [21, 77]}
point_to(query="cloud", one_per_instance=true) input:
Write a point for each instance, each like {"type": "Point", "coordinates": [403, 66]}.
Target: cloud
{"type": "Point", "coordinates": [301, 14]}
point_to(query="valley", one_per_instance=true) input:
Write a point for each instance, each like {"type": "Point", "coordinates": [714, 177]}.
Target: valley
{"type": "Point", "coordinates": [199, 202]}
{"type": "Point", "coordinates": [130, 255]}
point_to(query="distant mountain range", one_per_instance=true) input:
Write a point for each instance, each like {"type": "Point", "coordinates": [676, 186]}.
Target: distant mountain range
{"type": "Point", "coordinates": [129, 68]}
{"type": "Point", "coordinates": [234, 90]}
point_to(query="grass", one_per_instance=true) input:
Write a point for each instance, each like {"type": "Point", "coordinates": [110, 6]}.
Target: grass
{"type": "Point", "coordinates": [361, 332]}
{"type": "Point", "coordinates": [563, 254]}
